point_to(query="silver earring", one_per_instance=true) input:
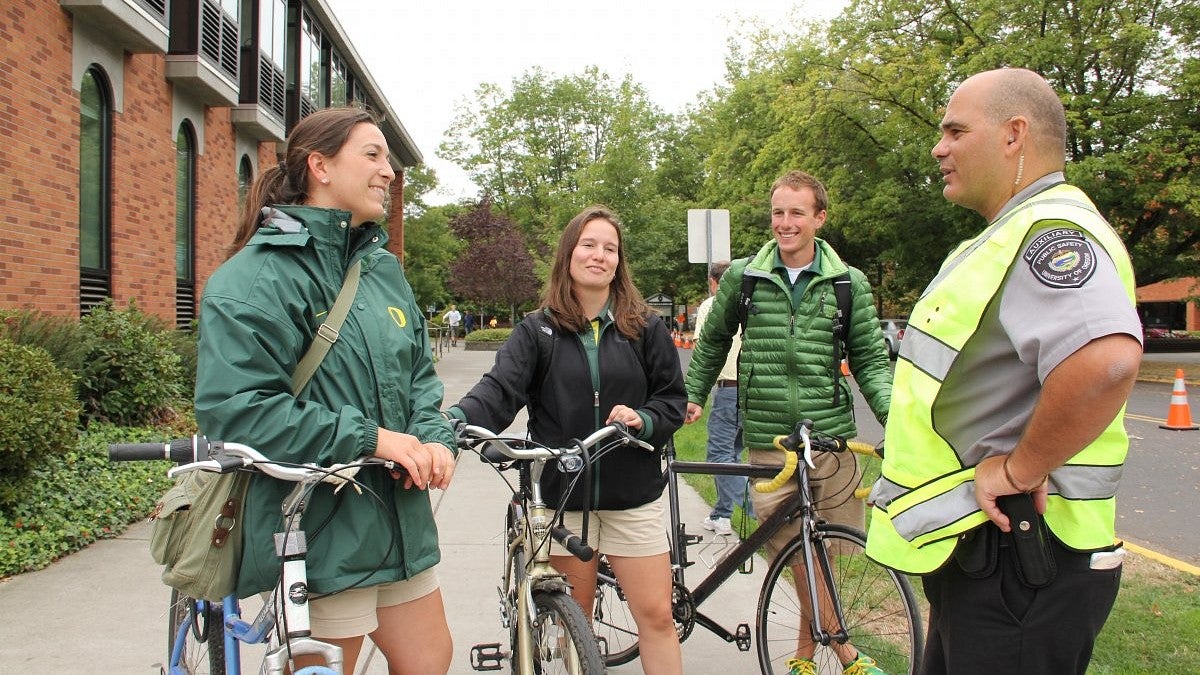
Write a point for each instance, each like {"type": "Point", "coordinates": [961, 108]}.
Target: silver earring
{"type": "Point", "coordinates": [325, 181]}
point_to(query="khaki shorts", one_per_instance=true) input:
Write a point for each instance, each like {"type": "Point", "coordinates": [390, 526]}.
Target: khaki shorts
{"type": "Point", "coordinates": [832, 484]}
{"type": "Point", "coordinates": [352, 613]}
{"type": "Point", "coordinates": [636, 532]}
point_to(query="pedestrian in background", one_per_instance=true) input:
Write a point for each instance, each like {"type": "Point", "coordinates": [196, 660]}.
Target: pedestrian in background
{"type": "Point", "coordinates": [1005, 439]}
{"type": "Point", "coordinates": [789, 371]}
{"type": "Point", "coordinates": [724, 422]}
{"type": "Point", "coordinates": [453, 318]}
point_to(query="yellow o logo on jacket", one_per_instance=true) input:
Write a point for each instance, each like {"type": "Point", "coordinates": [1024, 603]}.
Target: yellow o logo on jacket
{"type": "Point", "coordinates": [398, 316]}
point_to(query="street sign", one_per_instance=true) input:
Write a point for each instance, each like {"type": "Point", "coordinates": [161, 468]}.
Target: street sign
{"type": "Point", "coordinates": [708, 235]}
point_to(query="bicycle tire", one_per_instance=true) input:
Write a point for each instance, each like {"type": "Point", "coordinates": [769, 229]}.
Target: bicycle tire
{"type": "Point", "coordinates": [203, 650]}
{"type": "Point", "coordinates": [878, 604]}
{"type": "Point", "coordinates": [563, 639]}
{"type": "Point", "coordinates": [612, 621]}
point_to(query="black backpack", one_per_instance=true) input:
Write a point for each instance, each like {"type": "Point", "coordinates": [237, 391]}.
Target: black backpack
{"type": "Point", "coordinates": [841, 318]}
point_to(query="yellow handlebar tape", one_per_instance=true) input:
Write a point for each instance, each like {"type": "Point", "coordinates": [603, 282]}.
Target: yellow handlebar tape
{"type": "Point", "coordinates": [790, 460]}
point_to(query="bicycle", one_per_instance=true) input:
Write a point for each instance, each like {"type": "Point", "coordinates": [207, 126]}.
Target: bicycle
{"type": "Point", "coordinates": [196, 642]}
{"type": "Point", "coordinates": [873, 607]}
{"type": "Point", "coordinates": [548, 631]}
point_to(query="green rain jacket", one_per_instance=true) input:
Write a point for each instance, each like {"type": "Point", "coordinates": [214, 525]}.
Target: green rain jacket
{"type": "Point", "coordinates": [786, 370]}
{"type": "Point", "coordinates": [258, 315]}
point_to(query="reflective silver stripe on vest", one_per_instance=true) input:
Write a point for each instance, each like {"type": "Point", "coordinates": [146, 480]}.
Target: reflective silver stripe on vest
{"type": "Point", "coordinates": [937, 512]}
{"type": "Point", "coordinates": [926, 353]}
{"type": "Point", "coordinates": [1085, 481]}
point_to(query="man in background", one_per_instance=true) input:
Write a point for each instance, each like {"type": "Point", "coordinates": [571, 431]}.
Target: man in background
{"type": "Point", "coordinates": [724, 422]}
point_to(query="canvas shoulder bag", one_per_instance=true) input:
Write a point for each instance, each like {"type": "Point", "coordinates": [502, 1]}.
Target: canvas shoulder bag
{"type": "Point", "coordinates": [194, 529]}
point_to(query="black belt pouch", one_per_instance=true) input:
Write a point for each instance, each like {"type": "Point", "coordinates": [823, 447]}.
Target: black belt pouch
{"type": "Point", "coordinates": [1030, 540]}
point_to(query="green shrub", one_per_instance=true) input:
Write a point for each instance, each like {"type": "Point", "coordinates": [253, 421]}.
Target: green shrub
{"type": "Point", "coordinates": [74, 498]}
{"type": "Point", "coordinates": [184, 344]}
{"type": "Point", "coordinates": [489, 335]}
{"type": "Point", "coordinates": [132, 374]}
{"type": "Point", "coordinates": [39, 413]}
{"type": "Point", "coordinates": [58, 335]}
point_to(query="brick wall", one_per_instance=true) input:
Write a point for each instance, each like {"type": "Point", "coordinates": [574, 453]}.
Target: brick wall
{"type": "Point", "coordinates": [39, 159]}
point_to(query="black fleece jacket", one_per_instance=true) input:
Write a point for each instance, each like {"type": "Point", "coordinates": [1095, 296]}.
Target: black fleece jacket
{"type": "Point", "coordinates": [643, 374]}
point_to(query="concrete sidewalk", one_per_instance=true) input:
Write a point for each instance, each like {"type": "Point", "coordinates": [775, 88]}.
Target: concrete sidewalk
{"type": "Point", "coordinates": [103, 610]}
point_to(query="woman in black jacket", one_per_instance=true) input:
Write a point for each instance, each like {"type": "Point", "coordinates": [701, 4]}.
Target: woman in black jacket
{"type": "Point", "coordinates": [595, 353]}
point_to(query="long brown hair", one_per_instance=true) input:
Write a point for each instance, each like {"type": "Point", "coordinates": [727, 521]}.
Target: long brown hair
{"type": "Point", "coordinates": [628, 308]}
{"type": "Point", "coordinates": [324, 131]}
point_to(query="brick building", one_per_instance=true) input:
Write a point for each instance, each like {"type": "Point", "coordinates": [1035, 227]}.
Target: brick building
{"type": "Point", "coordinates": [131, 129]}
{"type": "Point", "coordinates": [1171, 305]}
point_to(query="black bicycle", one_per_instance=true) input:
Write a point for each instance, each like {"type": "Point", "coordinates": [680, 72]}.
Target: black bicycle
{"type": "Point", "coordinates": [861, 602]}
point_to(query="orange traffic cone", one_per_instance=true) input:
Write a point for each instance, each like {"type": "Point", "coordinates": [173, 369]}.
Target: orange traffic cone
{"type": "Point", "coordinates": [1179, 415]}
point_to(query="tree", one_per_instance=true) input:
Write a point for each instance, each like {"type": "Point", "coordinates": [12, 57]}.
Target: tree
{"type": "Point", "coordinates": [494, 267]}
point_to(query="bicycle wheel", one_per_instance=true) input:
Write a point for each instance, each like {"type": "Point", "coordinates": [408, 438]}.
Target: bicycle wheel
{"type": "Point", "coordinates": [880, 609]}
{"type": "Point", "coordinates": [202, 651]}
{"type": "Point", "coordinates": [562, 640]}
{"type": "Point", "coordinates": [612, 620]}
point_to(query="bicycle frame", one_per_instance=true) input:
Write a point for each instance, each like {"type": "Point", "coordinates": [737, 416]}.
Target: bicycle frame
{"type": "Point", "coordinates": [797, 506]}
{"type": "Point", "coordinates": [531, 542]}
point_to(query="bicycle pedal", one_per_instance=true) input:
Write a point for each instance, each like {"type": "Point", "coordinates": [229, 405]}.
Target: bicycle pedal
{"type": "Point", "coordinates": [689, 539]}
{"type": "Point", "coordinates": [487, 656]}
{"type": "Point", "coordinates": [741, 637]}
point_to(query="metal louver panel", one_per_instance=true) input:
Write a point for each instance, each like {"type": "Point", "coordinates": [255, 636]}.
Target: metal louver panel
{"type": "Point", "coordinates": [94, 287]}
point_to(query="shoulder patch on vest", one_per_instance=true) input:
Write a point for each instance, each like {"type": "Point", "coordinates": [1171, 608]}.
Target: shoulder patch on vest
{"type": "Point", "coordinates": [1061, 258]}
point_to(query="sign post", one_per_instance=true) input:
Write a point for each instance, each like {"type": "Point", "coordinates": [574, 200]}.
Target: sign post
{"type": "Point", "coordinates": [708, 235]}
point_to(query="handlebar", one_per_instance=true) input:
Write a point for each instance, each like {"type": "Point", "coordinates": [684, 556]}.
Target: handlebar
{"type": "Point", "coordinates": [198, 453]}
{"type": "Point", "coordinates": [497, 448]}
{"type": "Point", "coordinates": [802, 436]}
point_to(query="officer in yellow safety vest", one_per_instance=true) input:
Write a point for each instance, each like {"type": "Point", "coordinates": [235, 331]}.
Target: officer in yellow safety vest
{"type": "Point", "coordinates": [1004, 437]}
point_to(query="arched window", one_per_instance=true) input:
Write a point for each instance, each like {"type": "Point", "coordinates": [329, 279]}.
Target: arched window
{"type": "Point", "coordinates": [95, 189]}
{"type": "Point", "coordinates": [245, 181]}
{"type": "Point", "coordinates": [185, 219]}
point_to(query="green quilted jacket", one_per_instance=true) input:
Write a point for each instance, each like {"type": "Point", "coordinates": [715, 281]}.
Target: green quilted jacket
{"type": "Point", "coordinates": [786, 369]}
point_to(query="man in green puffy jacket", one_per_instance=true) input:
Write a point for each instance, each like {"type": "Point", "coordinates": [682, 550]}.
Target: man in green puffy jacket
{"type": "Point", "coordinates": [787, 370]}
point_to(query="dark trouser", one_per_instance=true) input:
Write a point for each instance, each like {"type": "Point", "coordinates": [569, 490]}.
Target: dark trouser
{"type": "Point", "coordinates": [996, 624]}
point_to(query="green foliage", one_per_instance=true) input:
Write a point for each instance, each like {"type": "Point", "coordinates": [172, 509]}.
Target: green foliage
{"type": "Point", "coordinates": [489, 335]}
{"type": "Point", "coordinates": [77, 497]}
{"type": "Point", "coordinates": [132, 375]}
{"type": "Point", "coordinates": [56, 334]}
{"type": "Point", "coordinates": [184, 344]}
{"type": "Point", "coordinates": [38, 413]}
{"type": "Point", "coordinates": [429, 248]}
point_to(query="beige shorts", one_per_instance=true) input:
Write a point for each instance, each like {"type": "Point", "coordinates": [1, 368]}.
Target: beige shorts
{"type": "Point", "coordinates": [352, 613]}
{"type": "Point", "coordinates": [832, 483]}
{"type": "Point", "coordinates": [637, 532]}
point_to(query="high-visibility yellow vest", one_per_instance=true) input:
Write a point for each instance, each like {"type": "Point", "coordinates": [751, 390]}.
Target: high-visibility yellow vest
{"type": "Point", "coordinates": [925, 498]}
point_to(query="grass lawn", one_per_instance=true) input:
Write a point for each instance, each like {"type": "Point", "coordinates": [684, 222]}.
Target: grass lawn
{"type": "Point", "coordinates": [1154, 627]}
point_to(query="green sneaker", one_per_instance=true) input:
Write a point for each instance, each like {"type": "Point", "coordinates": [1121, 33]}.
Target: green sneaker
{"type": "Point", "coordinates": [863, 665]}
{"type": "Point", "coordinates": [801, 667]}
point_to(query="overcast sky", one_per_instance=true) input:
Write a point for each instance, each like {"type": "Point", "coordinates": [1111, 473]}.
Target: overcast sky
{"type": "Point", "coordinates": [429, 56]}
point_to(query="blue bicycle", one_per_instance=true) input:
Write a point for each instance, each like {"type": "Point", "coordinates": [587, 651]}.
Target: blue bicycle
{"type": "Point", "coordinates": [204, 637]}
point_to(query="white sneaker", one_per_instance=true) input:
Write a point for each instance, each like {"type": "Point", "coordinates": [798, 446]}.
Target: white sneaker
{"type": "Point", "coordinates": [718, 525]}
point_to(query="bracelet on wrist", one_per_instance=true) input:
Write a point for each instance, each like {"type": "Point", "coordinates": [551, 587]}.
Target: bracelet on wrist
{"type": "Point", "coordinates": [1013, 482]}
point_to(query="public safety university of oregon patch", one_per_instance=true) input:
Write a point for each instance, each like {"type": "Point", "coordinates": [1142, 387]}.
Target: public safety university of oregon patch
{"type": "Point", "coordinates": [1061, 258]}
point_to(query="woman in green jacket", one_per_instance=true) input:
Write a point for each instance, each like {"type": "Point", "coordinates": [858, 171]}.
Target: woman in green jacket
{"type": "Point", "coordinates": [306, 222]}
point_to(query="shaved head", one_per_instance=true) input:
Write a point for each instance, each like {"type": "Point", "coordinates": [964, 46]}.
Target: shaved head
{"type": "Point", "coordinates": [1010, 92]}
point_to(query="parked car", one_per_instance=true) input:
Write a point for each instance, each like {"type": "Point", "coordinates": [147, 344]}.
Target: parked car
{"type": "Point", "coordinates": [893, 333]}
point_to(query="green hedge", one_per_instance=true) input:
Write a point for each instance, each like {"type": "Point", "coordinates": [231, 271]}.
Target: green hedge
{"type": "Point", "coordinates": [489, 335]}
{"type": "Point", "coordinates": [78, 497]}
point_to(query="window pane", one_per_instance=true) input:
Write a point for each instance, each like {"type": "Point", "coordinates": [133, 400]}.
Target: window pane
{"type": "Point", "coordinates": [184, 167]}
{"type": "Point", "coordinates": [245, 180]}
{"type": "Point", "coordinates": [337, 82]}
{"type": "Point", "coordinates": [92, 139]}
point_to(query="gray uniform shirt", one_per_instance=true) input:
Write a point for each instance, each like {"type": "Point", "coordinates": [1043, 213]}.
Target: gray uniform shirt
{"type": "Point", "coordinates": [1034, 323]}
